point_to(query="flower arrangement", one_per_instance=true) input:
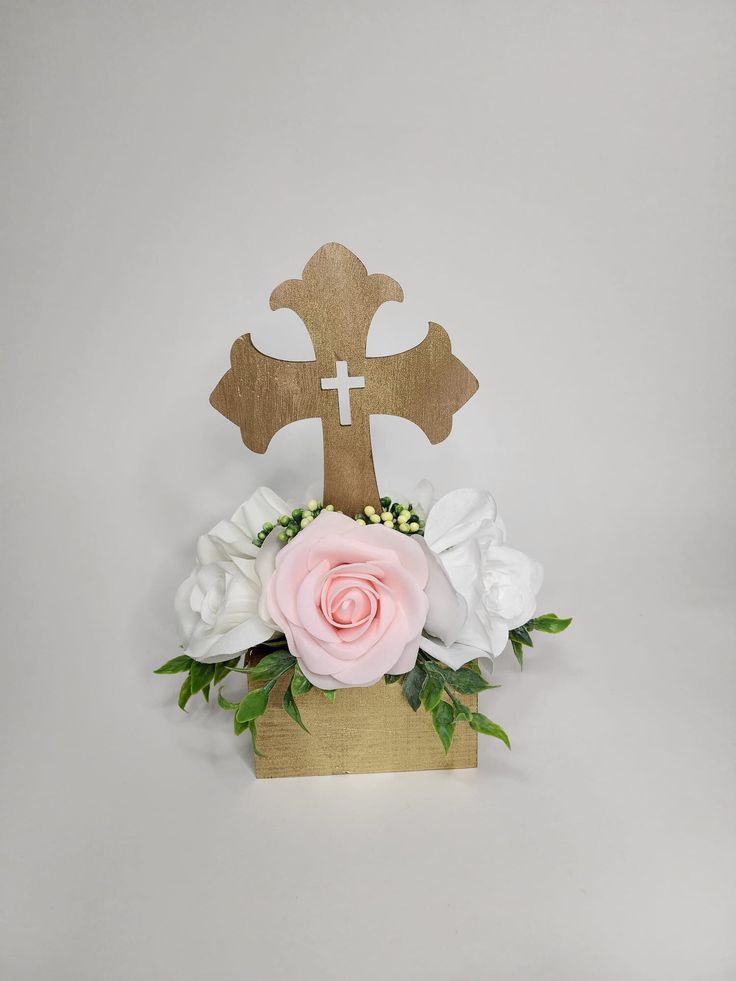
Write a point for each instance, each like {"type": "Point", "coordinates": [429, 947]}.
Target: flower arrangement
{"type": "Point", "coordinates": [424, 594]}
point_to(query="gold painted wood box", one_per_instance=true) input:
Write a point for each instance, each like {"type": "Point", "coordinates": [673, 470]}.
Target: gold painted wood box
{"type": "Point", "coordinates": [365, 730]}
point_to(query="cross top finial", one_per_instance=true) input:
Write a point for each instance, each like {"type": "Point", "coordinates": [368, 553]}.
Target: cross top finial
{"type": "Point", "coordinates": [336, 299]}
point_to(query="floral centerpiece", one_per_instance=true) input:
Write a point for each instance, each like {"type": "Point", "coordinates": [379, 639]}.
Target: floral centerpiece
{"type": "Point", "coordinates": [360, 590]}
{"type": "Point", "coordinates": [424, 594]}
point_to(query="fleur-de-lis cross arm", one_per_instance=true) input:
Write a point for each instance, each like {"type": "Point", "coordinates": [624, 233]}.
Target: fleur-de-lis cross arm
{"type": "Point", "coordinates": [337, 299]}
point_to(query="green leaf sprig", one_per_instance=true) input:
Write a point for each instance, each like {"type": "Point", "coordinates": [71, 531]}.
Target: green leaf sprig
{"type": "Point", "coordinates": [548, 623]}
{"type": "Point", "coordinates": [429, 685]}
{"type": "Point", "coordinates": [266, 670]}
{"type": "Point", "coordinates": [434, 687]}
{"type": "Point", "coordinates": [199, 677]}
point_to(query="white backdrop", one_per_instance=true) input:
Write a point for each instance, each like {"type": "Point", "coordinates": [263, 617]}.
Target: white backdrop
{"type": "Point", "coordinates": [554, 183]}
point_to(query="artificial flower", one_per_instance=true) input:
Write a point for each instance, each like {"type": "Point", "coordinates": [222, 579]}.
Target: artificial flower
{"type": "Point", "coordinates": [351, 600]}
{"type": "Point", "coordinates": [499, 584]}
{"type": "Point", "coordinates": [218, 605]}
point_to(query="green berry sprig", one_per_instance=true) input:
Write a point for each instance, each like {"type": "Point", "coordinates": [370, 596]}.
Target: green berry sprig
{"type": "Point", "coordinates": [393, 514]}
{"type": "Point", "coordinates": [292, 524]}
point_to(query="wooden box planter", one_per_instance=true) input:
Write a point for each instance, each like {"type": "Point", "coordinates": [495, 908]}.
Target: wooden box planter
{"type": "Point", "coordinates": [365, 730]}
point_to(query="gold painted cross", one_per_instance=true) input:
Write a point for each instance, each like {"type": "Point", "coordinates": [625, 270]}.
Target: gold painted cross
{"type": "Point", "coordinates": [337, 300]}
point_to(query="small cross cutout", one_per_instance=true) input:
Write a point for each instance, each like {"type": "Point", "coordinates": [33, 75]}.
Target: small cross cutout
{"type": "Point", "coordinates": [342, 384]}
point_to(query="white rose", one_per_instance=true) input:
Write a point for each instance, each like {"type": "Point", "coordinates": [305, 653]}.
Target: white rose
{"type": "Point", "coordinates": [499, 584]}
{"type": "Point", "coordinates": [219, 606]}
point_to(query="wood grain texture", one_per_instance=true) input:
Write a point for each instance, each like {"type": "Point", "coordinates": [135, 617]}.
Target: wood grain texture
{"type": "Point", "coordinates": [365, 730]}
{"type": "Point", "coordinates": [336, 299]}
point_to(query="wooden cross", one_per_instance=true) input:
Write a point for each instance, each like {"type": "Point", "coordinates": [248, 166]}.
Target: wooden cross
{"type": "Point", "coordinates": [337, 300]}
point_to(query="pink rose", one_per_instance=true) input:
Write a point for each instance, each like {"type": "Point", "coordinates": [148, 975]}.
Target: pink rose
{"type": "Point", "coordinates": [351, 601]}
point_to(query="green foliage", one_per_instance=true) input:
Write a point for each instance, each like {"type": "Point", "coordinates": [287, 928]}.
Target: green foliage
{"type": "Point", "coordinates": [225, 703]}
{"type": "Point", "coordinates": [253, 705]}
{"type": "Point", "coordinates": [462, 712]}
{"type": "Point", "coordinates": [201, 675]}
{"type": "Point", "coordinates": [468, 681]}
{"type": "Point", "coordinates": [431, 693]}
{"type": "Point", "coordinates": [222, 669]}
{"type": "Point", "coordinates": [272, 666]}
{"type": "Point", "coordinates": [240, 727]}
{"type": "Point", "coordinates": [430, 684]}
{"type": "Point", "coordinates": [292, 710]}
{"type": "Point", "coordinates": [268, 670]}
{"type": "Point", "coordinates": [299, 684]}
{"type": "Point", "coordinates": [252, 729]}
{"type": "Point", "coordinates": [483, 724]}
{"type": "Point", "coordinates": [464, 680]}
{"type": "Point", "coordinates": [520, 637]}
{"type": "Point", "coordinates": [426, 684]}
{"type": "Point", "coordinates": [443, 720]}
{"type": "Point", "coordinates": [549, 623]}
{"type": "Point", "coordinates": [185, 693]}
{"type": "Point", "coordinates": [182, 662]}
{"type": "Point", "coordinates": [412, 685]}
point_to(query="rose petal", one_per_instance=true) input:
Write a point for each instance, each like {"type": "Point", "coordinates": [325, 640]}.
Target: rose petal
{"type": "Point", "coordinates": [458, 516]}
{"type": "Point", "coordinates": [264, 567]}
{"type": "Point", "coordinates": [448, 610]}
{"type": "Point", "coordinates": [253, 631]}
{"type": "Point", "coordinates": [372, 543]}
{"type": "Point", "coordinates": [454, 655]}
{"type": "Point", "coordinates": [307, 608]}
{"type": "Point", "coordinates": [262, 506]}
{"type": "Point", "coordinates": [348, 602]}
{"type": "Point", "coordinates": [311, 652]}
{"type": "Point", "coordinates": [186, 617]}
{"type": "Point", "coordinates": [326, 681]}
{"type": "Point", "coordinates": [381, 657]}
{"type": "Point", "coordinates": [408, 658]}
{"type": "Point", "coordinates": [517, 579]}
{"type": "Point", "coordinates": [223, 541]}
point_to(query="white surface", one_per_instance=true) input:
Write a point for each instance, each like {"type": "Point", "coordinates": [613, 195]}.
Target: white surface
{"type": "Point", "coordinates": [554, 184]}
